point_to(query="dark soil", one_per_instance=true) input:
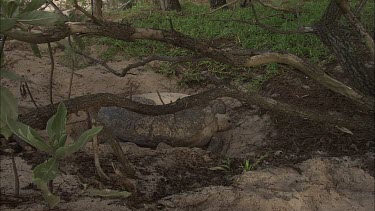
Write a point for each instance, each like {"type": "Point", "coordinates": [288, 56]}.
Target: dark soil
{"type": "Point", "coordinates": [300, 139]}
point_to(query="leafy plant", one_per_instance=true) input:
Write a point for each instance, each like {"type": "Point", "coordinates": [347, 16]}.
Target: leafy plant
{"type": "Point", "coordinates": [248, 166]}
{"type": "Point", "coordinates": [17, 13]}
{"type": "Point", "coordinates": [56, 147]}
{"type": "Point", "coordinates": [8, 105]}
{"type": "Point", "coordinates": [225, 166]}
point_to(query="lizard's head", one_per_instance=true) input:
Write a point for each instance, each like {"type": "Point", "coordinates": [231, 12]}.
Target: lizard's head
{"type": "Point", "coordinates": [223, 122]}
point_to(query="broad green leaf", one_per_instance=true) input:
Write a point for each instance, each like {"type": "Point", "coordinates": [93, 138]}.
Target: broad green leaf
{"type": "Point", "coordinates": [40, 18]}
{"type": "Point", "coordinates": [62, 141]}
{"type": "Point", "coordinates": [6, 131]}
{"type": "Point", "coordinates": [46, 171]}
{"type": "Point", "coordinates": [56, 124]}
{"type": "Point", "coordinates": [81, 141]}
{"type": "Point", "coordinates": [8, 106]}
{"type": "Point", "coordinates": [11, 75]}
{"type": "Point", "coordinates": [7, 24]}
{"type": "Point", "coordinates": [35, 49]}
{"type": "Point", "coordinates": [108, 193]}
{"type": "Point", "coordinates": [29, 135]}
{"type": "Point", "coordinates": [11, 9]}
{"type": "Point", "coordinates": [34, 4]}
{"type": "Point", "coordinates": [42, 174]}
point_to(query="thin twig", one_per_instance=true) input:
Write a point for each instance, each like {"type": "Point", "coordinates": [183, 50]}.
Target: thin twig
{"type": "Point", "coordinates": [16, 178]}
{"type": "Point", "coordinates": [124, 5]}
{"type": "Point", "coordinates": [277, 30]}
{"type": "Point", "coordinates": [102, 63]}
{"type": "Point", "coordinates": [72, 67]}
{"type": "Point", "coordinates": [92, 17]}
{"type": "Point", "coordinates": [31, 96]}
{"type": "Point", "coordinates": [143, 62]}
{"type": "Point", "coordinates": [51, 74]}
{"type": "Point", "coordinates": [56, 8]}
{"type": "Point", "coordinates": [96, 158]}
{"type": "Point", "coordinates": [360, 6]}
{"type": "Point", "coordinates": [161, 100]}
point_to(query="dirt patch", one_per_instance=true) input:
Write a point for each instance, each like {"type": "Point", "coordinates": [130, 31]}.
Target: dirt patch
{"type": "Point", "coordinates": [317, 184]}
{"type": "Point", "coordinates": [299, 139]}
{"type": "Point", "coordinates": [188, 178]}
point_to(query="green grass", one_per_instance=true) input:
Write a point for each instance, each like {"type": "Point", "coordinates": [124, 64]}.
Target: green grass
{"type": "Point", "coordinates": [210, 27]}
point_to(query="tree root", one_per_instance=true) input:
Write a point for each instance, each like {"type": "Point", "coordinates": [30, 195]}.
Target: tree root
{"type": "Point", "coordinates": [38, 119]}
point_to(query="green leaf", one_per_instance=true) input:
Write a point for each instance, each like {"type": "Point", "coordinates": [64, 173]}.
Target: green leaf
{"type": "Point", "coordinates": [6, 131]}
{"type": "Point", "coordinates": [11, 75]}
{"type": "Point", "coordinates": [11, 8]}
{"type": "Point", "coordinates": [46, 171]}
{"type": "Point", "coordinates": [42, 174]}
{"type": "Point", "coordinates": [34, 4]}
{"type": "Point", "coordinates": [62, 141]}
{"type": "Point", "coordinates": [56, 124]}
{"type": "Point", "coordinates": [29, 135]}
{"type": "Point", "coordinates": [8, 106]}
{"type": "Point", "coordinates": [40, 18]}
{"type": "Point", "coordinates": [8, 110]}
{"type": "Point", "coordinates": [35, 49]}
{"type": "Point", "coordinates": [81, 141]}
{"type": "Point", "coordinates": [7, 24]}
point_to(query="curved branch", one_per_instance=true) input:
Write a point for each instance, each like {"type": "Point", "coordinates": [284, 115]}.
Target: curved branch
{"type": "Point", "coordinates": [313, 72]}
{"type": "Point", "coordinates": [38, 119]}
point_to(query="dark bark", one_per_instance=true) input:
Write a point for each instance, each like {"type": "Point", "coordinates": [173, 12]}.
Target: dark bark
{"type": "Point", "coordinates": [97, 8]}
{"type": "Point", "coordinates": [38, 118]}
{"type": "Point", "coordinates": [217, 3]}
{"type": "Point", "coordinates": [345, 49]}
{"type": "Point", "coordinates": [167, 5]}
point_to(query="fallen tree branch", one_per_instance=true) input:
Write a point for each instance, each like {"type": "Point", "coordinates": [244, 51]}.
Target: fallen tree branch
{"type": "Point", "coordinates": [94, 102]}
{"type": "Point", "coordinates": [249, 58]}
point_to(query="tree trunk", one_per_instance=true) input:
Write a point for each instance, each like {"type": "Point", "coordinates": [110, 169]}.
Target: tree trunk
{"type": "Point", "coordinates": [345, 49]}
{"type": "Point", "coordinates": [217, 3]}
{"type": "Point", "coordinates": [167, 5]}
{"type": "Point", "coordinates": [97, 8]}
